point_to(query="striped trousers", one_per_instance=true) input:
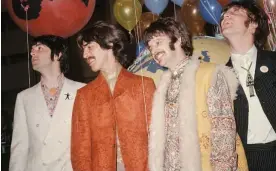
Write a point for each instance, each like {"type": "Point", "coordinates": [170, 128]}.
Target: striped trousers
{"type": "Point", "coordinates": [261, 157]}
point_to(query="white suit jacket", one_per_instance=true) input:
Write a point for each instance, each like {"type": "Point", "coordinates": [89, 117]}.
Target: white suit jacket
{"type": "Point", "coordinates": [41, 142]}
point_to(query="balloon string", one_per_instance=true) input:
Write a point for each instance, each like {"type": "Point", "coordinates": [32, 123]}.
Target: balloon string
{"type": "Point", "coordinates": [272, 36]}
{"type": "Point", "coordinates": [174, 11]}
{"type": "Point", "coordinates": [209, 11]}
{"type": "Point", "coordinates": [142, 75]}
{"type": "Point", "coordinates": [27, 35]}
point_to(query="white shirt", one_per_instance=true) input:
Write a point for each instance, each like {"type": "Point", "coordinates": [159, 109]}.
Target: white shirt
{"type": "Point", "coordinates": [259, 127]}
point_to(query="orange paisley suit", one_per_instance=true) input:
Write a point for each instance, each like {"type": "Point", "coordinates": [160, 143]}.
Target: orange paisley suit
{"type": "Point", "coordinates": [96, 116]}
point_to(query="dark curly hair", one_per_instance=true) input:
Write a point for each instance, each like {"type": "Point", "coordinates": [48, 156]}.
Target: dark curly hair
{"type": "Point", "coordinates": [108, 36]}
{"type": "Point", "coordinates": [255, 15]}
{"type": "Point", "coordinates": [174, 30]}
{"type": "Point", "coordinates": [57, 45]}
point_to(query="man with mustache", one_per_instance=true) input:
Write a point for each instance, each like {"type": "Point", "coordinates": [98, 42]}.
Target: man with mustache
{"type": "Point", "coordinates": [245, 26]}
{"type": "Point", "coordinates": [192, 127]}
{"type": "Point", "coordinates": [42, 117]}
{"type": "Point", "coordinates": [111, 114]}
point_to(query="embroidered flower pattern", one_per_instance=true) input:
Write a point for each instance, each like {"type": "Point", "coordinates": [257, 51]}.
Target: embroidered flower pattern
{"type": "Point", "coordinates": [52, 99]}
{"type": "Point", "coordinates": [223, 127]}
{"type": "Point", "coordinates": [204, 141]}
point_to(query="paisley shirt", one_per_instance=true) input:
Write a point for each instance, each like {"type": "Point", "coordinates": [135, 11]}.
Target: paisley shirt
{"type": "Point", "coordinates": [52, 99]}
{"type": "Point", "coordinates": [172, 155]}
{"type": "Point", "coordinates": [223, 128]}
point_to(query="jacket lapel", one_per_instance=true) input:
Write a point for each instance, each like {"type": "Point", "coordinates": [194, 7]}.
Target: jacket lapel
{"type": "Point", "coordinates": [43, 121]}
{"type": "Point", "coordinates": [190, 157]}
{"type": "Point", "coordinates": [157, 125]}
{"type": "Point", "coordinates": [262, 61]}
{"type": "Point", "coordinates": [122, 82]}
{"type": "Point", "coordinates": [240, 110]}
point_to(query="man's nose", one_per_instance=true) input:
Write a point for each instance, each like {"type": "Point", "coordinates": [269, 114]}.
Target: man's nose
{"type": "Point", "coordinates": [85, 53]}
{"type": "Point", "coordinates": [227, 15]}
{"type": "Point", "coordinates": [32, 53]}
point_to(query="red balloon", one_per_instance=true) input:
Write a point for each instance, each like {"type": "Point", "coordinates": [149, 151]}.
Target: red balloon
{"type": "Point", "coordinates": [51, 17]}
{"type": "Point", "coordinates": [224, 2]}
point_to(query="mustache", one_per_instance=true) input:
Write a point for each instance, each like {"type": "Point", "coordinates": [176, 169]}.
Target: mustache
{"type": "Point", "coordinates": [89, 58]}
{"type": "Point", "coordinates": [157, 53]}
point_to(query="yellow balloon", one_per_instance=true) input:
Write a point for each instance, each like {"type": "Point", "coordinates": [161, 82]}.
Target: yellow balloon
{"type": "Point", "coordinates": [127, 13]}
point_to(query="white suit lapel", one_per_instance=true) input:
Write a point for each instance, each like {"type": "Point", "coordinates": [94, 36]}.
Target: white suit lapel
{"type": "Point", "coordinates": [59, 133]}
{"type": "Point", "coordinates": [42, 119]}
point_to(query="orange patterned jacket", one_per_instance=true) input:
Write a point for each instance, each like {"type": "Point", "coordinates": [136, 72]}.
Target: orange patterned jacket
{"type": "Point", "coordinates": [96, 115]}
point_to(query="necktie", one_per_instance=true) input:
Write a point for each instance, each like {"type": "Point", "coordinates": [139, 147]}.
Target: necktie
{"type": "Point", "coordinates": [249, 80]}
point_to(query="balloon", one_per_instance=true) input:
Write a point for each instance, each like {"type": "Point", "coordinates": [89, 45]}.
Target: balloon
{"type": "Point", "coordinates": [127, 13]}
{"type": "Point", "coordinates": [210, 11]}
{"type": "Point", "coordinates": [224, 2]}
{"type": "Point", "coordinates": [209, 49]}
{"type": "Point", "coordinates": [156, 6]}
{"type": "Point", "coordinates": [191, 16]}
{"type": "Point", "coordinates": [146, 19]}
{"type": "Point", "coordinates": [59, 17]}
{"type": "Point", "coordinates": [178, 2]}
{"type": "Point", "coordinates": [142, 2]}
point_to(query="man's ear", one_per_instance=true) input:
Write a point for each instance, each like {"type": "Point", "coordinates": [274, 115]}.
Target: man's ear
{"type": "Point", "coordinates": [57, 57]}
{"type": "Point", "coordinates": [252, 27]}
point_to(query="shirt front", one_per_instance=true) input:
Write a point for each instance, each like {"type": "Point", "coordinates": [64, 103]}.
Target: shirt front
{"type": "Point", "coordinates": [51, 95]}
{"type": "Point", "coordinates": [172, 155]}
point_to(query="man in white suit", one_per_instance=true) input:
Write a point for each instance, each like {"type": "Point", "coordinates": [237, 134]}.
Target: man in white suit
{"type": "Point", "coordinates": [42, 117]}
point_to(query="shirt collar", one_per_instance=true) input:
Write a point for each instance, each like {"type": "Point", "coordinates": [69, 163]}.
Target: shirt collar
{"type": "Point", "coordinates": [250, 55]}
{"type": "Point", "coordinates": [180, 67]}
{"type": "Point", "coordinates": [60, 80]}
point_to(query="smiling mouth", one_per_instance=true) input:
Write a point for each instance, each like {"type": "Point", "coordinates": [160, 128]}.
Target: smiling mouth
{"type": "Point", "coordinates": [90, 60]}
{"type": "Point", "coordinates": [158, 55]}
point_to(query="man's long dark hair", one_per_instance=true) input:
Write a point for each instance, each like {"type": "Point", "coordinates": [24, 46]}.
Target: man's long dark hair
{"type": "Point", "coordinates": [174, 30]}
{"type": "Point", "coordinates": [255, 15]}
{"type": "Point", "coordinates": [57, 45]}
{"type": "Point", "coordinates": [108, 36]}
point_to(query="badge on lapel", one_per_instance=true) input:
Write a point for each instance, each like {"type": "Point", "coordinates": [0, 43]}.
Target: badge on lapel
{"type": "Point", "coordinates": [68, 96]}
{"type": "Point", "coordinates": [264, 69]}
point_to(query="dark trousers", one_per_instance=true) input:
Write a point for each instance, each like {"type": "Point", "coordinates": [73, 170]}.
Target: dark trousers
{"type": "Point", "coordinates": [261, 157]}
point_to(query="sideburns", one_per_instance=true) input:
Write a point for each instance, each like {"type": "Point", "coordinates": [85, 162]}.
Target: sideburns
{"type": "Point", "coordinates": [172, 46]}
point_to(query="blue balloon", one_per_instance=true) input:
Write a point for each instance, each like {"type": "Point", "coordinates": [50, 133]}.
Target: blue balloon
{"type": "Point", "coordinates": [156, 6]}
{"type": "Point", "coordinates": [140, 47]}
{"type": "Point", "coordinates": [178, 2]}
{"type": "Point", "coordinates": [210, 10]}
